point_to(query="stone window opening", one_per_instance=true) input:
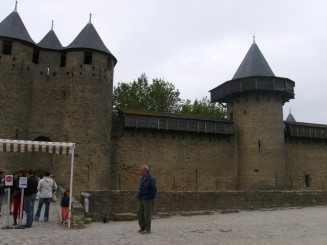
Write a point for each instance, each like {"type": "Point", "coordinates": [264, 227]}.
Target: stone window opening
{"type": "Point", "coordinates": [7, 47]}
{"type": "Point", "coordinates": [63, 59]}
{"type": "Point", "coordinates": [36, 56]}
{"type": "Point", "coordinates": [87, 57]}
{"type": "Point", "coordinates": [307, 180]}
{"type": "Point", "coordinates": [259, 146]}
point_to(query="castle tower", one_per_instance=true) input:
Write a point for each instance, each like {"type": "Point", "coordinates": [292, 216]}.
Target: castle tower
{"type": "Point", "coordinates": [16, 75]}
{"type": "Point", "coordinates": [52, 93]}
{"type": "Point", "coordinates": [255, 99]}
{"type": "Point", "coordinates": [290, 118]}
{"type": "Point", "coordinates": [89, 105]}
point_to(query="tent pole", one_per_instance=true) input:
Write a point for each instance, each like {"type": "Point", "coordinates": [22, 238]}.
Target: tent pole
{"type": "Point", "coordinates": [71, 189]}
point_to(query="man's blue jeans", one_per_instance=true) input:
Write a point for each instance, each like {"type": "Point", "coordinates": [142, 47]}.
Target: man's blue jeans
{"type": "Point", "coordinates": [29, 209]}
{"type": "Point", "coordinates": [42, 201]}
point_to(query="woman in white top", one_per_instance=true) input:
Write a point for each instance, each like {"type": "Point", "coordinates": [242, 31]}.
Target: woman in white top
{"type": "Point", "coordinates": [46, 187]}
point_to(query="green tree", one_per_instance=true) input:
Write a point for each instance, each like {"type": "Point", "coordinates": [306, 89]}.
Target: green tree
{"type": "Point", "coordinates": [160, 96]}
{"type": "Point", "coordinates": [202, 107]}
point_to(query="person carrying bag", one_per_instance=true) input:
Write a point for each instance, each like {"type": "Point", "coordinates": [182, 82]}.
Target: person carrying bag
{"type": "Point", "coordinates": [46, 186]}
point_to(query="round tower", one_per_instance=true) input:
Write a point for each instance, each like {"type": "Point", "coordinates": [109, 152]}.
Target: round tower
{"type": "Point", "coordinates": [16, 75]}
{"type": "Point", "coordinates": [88, 114]}
{"type": "Point", "coordinates": [255, 99]}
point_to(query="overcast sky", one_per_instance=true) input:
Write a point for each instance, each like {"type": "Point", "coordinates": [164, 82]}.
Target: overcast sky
{"type": "Point", "coordinates": [199, 44]}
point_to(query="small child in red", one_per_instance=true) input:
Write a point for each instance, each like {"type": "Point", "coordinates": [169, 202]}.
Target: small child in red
{"type": "Point", "coordinates": [65, 206]}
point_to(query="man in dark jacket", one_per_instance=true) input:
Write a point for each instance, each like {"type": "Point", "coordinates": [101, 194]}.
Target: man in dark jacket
{"type": "Point", "coordinates": [146, 195]}
{"type": "Point", "coordinates": [29, 198]}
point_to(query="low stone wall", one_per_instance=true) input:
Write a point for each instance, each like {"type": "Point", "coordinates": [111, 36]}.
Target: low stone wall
{"type": "Point", "coordinates": [107, 202]}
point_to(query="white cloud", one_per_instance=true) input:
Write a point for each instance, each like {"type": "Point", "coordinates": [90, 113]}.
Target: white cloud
{"type": "Point", "coordinates": [198, 44]}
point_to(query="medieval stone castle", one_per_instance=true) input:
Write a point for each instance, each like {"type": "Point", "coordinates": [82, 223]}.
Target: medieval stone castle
{"type": "Point", "coordinates": [64, 94]}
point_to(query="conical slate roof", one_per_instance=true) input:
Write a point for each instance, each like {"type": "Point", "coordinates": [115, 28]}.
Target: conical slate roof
{"type": "Point", "coordinates": [89, 38]}
{"type": "Point", "coordinates": [50, 41]}
{"type": "Point", "coordinates": [253, 64]}
{"type": "Point", "coordinates": [13, 27]}
{"type": "Point", "coordinates": [290, 118]}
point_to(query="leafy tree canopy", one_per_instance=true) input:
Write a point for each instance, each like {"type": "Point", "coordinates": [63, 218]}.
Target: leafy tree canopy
{"type": "Point", "coordinates": [160, 96]}
{"type": "Point", "coordinates": [202, 107]}
{"type": "Point", "coordinates": [140, 94]}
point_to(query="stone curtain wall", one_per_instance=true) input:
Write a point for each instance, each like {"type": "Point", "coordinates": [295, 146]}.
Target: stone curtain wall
{"type": "Point", "coordinates": [306, 158]}
{"type": "Point", "coordinates": [180, 161]}
{"type": "Point", "coordinates": [108, 202]}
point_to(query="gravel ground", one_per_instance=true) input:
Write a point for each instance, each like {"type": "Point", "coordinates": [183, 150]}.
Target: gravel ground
{"type": "Point", "coordinates": [285, 226]}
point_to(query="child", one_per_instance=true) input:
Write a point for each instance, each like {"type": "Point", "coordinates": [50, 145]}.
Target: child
{"type": "Point", "coordinates": [64, 206]}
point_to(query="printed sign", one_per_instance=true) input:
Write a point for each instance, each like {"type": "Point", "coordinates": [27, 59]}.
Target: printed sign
{"type": "Point", "coordinates": [23, 182]}
{"type": "Point", "coordinates": [9, 179]}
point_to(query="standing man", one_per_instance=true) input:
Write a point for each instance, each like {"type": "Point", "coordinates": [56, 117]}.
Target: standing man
{"type": "Point", "coordinates": [146, 195]}
{"type": "Point", "coordinates": [29, 198]}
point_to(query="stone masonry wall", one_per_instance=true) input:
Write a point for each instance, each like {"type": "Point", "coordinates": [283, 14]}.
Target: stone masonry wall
{"type": "Point", "coordinates": [306, 157]}
{"type": "Point", "coordinates": [260, 130]}
{"type": "Point", "coordinates": [179, 161]}
{"type": "Point", "coordinates": [72, 104]}
{"type": "Point", "coordinates": [108, 202]}
{"type": "Point", "coordinates": [16, 76]}
{"type": "Point", "coordinates": [67, 104]}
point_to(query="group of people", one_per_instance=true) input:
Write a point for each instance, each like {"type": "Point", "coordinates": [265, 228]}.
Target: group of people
{"type": "Point", "coordinates": [45, 187]}
{"type": "Point", "coordinates": [42, 188]}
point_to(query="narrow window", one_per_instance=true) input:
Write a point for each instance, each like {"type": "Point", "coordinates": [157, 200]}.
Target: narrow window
{"type": "Point", "coordinates": [63, 59]}
{"type": "Point", "coordinates": [7, 47]}
{"type": "Point", "coordinates": [231, 116]}
{"type": "Point", "coordinates": [36, 56]}
{"type": "Point", "coordinates": [87, 57]}
{"type": "Point", "coordinates": [259, 146]}
{"type": "Point", "coordinates": [307, 180]}
{"type": "Point", "coordinates": [108, 63]}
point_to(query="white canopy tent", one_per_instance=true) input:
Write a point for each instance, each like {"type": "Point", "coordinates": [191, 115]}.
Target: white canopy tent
{"type": "Point", "coordinates": [61, 148]}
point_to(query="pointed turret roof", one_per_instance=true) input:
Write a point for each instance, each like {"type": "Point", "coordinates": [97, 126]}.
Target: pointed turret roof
{"type": "Point", "coordinates": [254, 74]}
{"type": "Point", "coordinates": [253, 64]}
{"type": "Point", "coordinates": [13, 27]}
{"type": "Point", "coordinates": [50, 40]}
{"type": "Point", "coordinates": [89, 38]}
{"type": "Point", "coordinates": [290, 118]}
